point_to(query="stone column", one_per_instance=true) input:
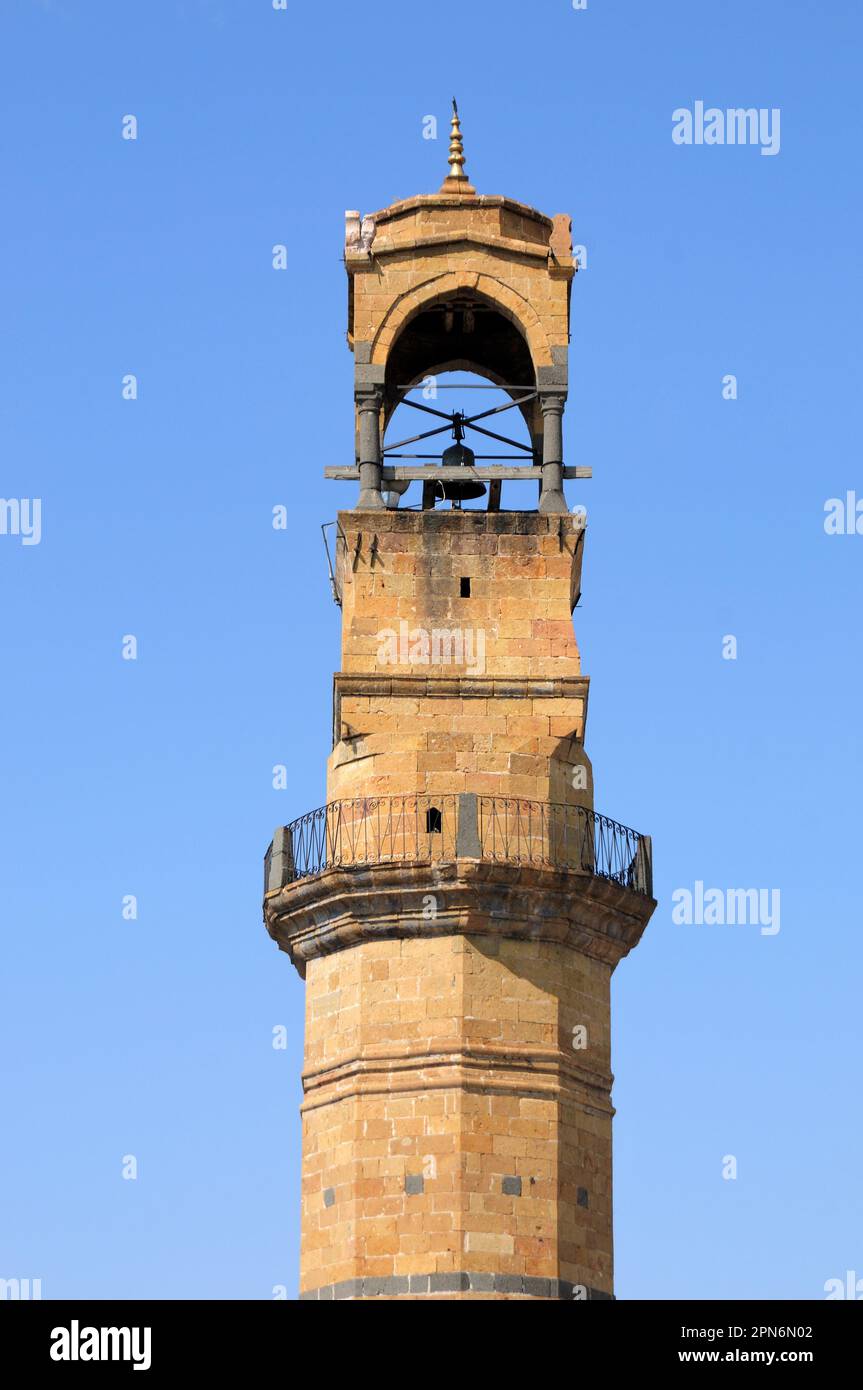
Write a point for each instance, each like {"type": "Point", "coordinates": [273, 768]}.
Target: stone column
{"type": "Point", "coordinates": [369, 407]}
{"type": "Point", "coordinates": [551, 498]}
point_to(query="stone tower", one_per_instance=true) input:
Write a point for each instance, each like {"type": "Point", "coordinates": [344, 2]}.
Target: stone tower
{"type": "Point", "coordinates": [457, 907]}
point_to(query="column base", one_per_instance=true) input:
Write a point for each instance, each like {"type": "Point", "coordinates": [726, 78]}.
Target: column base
{"type": "Point", "coordinates": [552, 502]}
{"type": "Point", "coordinates": [370, 501]}
{"type": "Point", "coordinates": [551, 498]}
{"type": "Point", "coordinates": [371, 497]}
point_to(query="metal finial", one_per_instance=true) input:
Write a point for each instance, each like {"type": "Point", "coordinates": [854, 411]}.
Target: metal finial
{"type": "Point", "coordinates": [456, 180]}
{"type": "Point", "coordinates": [456, 146]}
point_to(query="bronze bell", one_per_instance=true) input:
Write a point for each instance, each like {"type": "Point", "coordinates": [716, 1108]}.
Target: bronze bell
{"type": "Point", "coordinates": [459, 455]}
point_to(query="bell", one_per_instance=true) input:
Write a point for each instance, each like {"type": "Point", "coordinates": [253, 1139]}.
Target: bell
{"type": "Point", "coordinates": [460, 456]}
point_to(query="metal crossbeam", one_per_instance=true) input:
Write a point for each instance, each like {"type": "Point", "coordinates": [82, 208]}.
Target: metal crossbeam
{"type": "Point", "coordinates": [437, 456]}
{"type": "Point", "coordinates": [454, 472]}
{"type": "Point", "coordinates": [465, 420]}
{"type": "Point", "coordinates": [468, 386]}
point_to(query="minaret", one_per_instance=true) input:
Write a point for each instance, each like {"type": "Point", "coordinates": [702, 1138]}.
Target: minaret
{"type": "Point", "coordinates": [458, 906]}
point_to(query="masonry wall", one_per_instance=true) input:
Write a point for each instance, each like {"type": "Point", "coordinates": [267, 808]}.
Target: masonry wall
{"type": "Point", "coordinates": [497, 704]}
{"type": "Point", "coordinates": [452, 1135]}
{"type": "Point", "coordinates": [455, 1141]}
{"type": "Point", "coordinates": [433, 246]}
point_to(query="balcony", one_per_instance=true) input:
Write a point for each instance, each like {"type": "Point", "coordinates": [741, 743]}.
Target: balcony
{"type": "Point", "coordinates": [423, 829]}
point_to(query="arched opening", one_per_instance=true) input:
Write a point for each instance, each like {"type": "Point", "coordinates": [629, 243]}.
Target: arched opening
{"type": "Point", "coordinates": [463, 331]}
{"type": "Point", "coordinates": [459, 379]}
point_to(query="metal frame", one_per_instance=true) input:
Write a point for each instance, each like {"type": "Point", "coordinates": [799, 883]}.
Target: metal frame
{"type": "Point", "coordinates": [456, 419]}
{"type": "Point", "coordinates": [334, 588]}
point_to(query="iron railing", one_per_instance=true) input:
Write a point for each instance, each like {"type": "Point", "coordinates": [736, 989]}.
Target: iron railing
{"type": "Point", "coordinates": [370, 830]}
{"type": "Point", "coordinates": [421, 828]}
{"type": "Point", "coordinates": [539, 832]}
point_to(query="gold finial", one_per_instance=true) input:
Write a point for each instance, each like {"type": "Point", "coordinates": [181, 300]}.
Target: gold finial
{"type": "Point", "coordinates": [456, 180]}
{"type": "Point", "coordinates": [456, 146]}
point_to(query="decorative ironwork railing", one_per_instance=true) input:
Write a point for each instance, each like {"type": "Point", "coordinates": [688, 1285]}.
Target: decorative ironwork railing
{"type": "Point", "coordinates": [540, 832]}
{"type": "Point", "coordinates": [420, 828]}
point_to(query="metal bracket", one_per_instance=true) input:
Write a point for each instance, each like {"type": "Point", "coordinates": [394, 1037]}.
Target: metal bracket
{"type": "Point", "coordinates": [337, 598]}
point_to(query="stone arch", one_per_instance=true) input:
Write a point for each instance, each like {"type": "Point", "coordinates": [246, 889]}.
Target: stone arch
{"type": "Point", "coordinates": [488, 287]}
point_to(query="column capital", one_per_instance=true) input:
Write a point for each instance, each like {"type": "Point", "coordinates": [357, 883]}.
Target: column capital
{"type": "Point", "coordinates": [368, 397]}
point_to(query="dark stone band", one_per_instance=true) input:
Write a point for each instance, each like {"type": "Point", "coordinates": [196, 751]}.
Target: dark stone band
{"type": "Point", "coordinates": [454, 1283]}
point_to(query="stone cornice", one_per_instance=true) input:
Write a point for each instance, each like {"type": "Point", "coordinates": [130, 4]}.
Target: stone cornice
{"type": "Point", "coordinates": [428, 687]}
{"type": "Point", "coordinates": [346, 905]}
{"type": "Point", "coordinates": [415, 687]}
{"type": "Point", "coordinates": [390, 248]}
{"type": "Point", "coordinates": [449, 201]}
{"type": "Point", "coordinates": [505, 1070]}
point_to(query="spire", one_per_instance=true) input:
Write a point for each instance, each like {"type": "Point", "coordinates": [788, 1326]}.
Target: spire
{"type": "Point", "coordinates": [456, 180]}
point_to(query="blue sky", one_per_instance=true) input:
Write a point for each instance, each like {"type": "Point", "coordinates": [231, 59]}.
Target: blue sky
{"type": "Point", "coordinates": [153, 777]}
